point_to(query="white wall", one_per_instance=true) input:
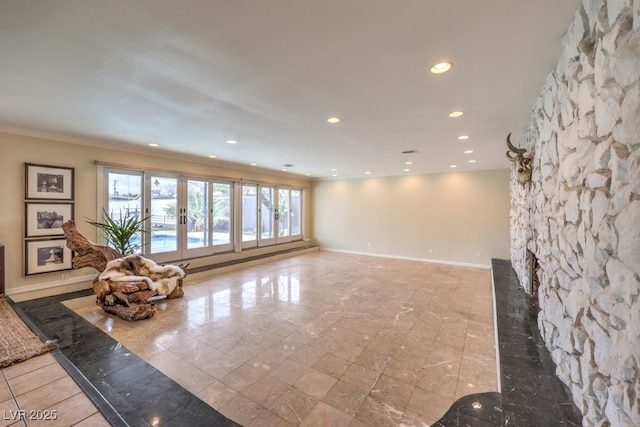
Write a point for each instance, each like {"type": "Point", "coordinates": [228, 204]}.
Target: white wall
{"type": "Point", "coordinates": [15, 150]}
{"type": "Point", "coordinates": [447, 217]}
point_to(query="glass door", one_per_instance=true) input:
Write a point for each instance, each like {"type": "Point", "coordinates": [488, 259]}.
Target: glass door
{"type": "Point", "coordinates": [222, 216]}
{"type": "Point", "coordinates": [249, 219]}
{"type": "Point", "coordinates": [295, 218]}
{"type": "Point", "coordinates": [267, 213]}
{"type": "Point", "coordinates": [279, 214]}
{"type": "Point", "coordinates": [197, 222]}
{"type": "Point", "coordinates": [124, 200]}
{"type": "Point", "coordinates": [284, 226]}
{"type": "Point", "coordinates": [166, 215]}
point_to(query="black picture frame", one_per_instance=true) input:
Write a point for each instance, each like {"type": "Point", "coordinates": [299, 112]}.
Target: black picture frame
{"type": "Point", "coordinates": [46, 255]}
{"type": "Point", "coordinates": [44, 182]}
{"type": "Point", "coordinates": [44, 219]}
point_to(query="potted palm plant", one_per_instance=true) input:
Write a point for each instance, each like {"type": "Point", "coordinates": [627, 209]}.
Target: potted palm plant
{"type": "Point", "coordinates": [123, 234]}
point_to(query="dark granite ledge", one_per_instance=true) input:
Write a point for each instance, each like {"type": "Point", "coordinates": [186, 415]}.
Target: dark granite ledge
{"type": "Point", "coordinates": [127, 390]}
{"type": "Point", "coordinates": [532, 395]}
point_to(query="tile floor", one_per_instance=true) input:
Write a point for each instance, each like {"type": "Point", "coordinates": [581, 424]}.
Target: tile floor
{"type": "Point", "coordinates": [47, 394]}
{"type": "Point", "coordinates": [322, 339]}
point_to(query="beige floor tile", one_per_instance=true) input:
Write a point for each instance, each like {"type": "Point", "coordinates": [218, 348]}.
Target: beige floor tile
{"type": "Point", "coordinates": [360, 376]}
{"type": "Point", "coordinates": [433, 381]}
{"type": "Point", "coordinates": [332, 365]}
{"type": "Point", "coordinates": [289, 371]}
{"type": "Point", "coordinates": [324, 415]}
{"type": "Point", "coordinates": [373, 360]}
{"type": "Point", "coordinates": [243, 410]}
{"type": "Point", "coordinates": [29, 365]}
{"type": "Point", "coordinates": [5, 392]}
{"type": "Point", "coordinates": [216, 394]}
{"type": "Point", "coordinates": [324, 336]}
{"type": "Point", "coordinates": [266, 390]}
{"type": "Point", "coordinates": [406, 370]}
{"type": "Point", "coordinates": [377, 413]}
{"type": "Point", "coordinates": [315, 384]}
{"type": "Point", "coordinates": [95, 420]}
{"type": "Point", "coordinates": [189, 376]}
{"type": "Point", "coordinates": [294, 406]}
{"type": "Point", "coordinates": [346, 397]}
{"type": "Point", "coordinates": [242, 377]}
{"type": "Point", "coordinates": [392, 391]}
{"type": "Point", "coordinates": [429, 404]}
{"type": "Point", "coordinates": [49, 394]}
{"type": "Point", "coordinates": [37, 378]}
{"type": "Point", "coordinates": [9, 411]}
{"type": "Point", "coordinates": [269, 419]}
{"type": "Point", "coordinates": [413, 419]}
{"type": "Point", "coordinates": [67, 412]}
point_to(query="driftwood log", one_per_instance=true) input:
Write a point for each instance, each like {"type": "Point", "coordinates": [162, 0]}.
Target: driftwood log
{"type": "Point", "coordinates": [87, 253]}
{"type": "Point", "coordinates": [127, 300]}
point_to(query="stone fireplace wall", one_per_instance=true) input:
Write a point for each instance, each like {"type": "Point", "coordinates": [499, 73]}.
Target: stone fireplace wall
{"type": "Point", "coordinates": [580, 215]}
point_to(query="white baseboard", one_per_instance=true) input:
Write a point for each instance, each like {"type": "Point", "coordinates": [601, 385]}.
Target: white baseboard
{"type": "Point", "coordinates": [433, 261]}
{"type": "Point", "coordinates": [495, 332]}
{"type": "Point", "coordinates": [53, 284]}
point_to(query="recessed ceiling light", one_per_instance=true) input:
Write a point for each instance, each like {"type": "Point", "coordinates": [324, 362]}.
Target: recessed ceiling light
{"type": "Point", "coordinates": [453, 166]}
{"type": "Point", "coordinates": [152, 144]}
{"type": "Point", "coordinates": [335, 174]}
{"type": "Point", "coordinates": [254, 164]}
{"type": "Point", "coordinates": [284, 169]}
{"type": "Point", "coordinates": [463, 137]}
{"type": "Point", "coordinates": [231, 141]}
{"type": "Point", "coordinates": [407, 170]}
{"type": "Point", "coordinates": [408, 163]}
{"type": "Point", "coordinates": [367, 173]}
{"type": "Point", "coordinates": [441, 67]}
{"type": "Point", "coordinates": [456, 114]}
{"type": "Point", "coordinates": [213, 156]}
{"type": "Point", "coordinates": [468, 151]}
{"type": "Point", "coordinates": [333, 120]}
{"type": "Point", "coordinates": [472, 161]}
{"type": "Point", "coordinates": [334, 169]}
{"type": "Point", "coordinates": [307, 174]}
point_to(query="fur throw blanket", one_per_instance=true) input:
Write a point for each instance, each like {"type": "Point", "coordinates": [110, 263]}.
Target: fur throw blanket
{"type": "Point", "coordinates": [160, 278]}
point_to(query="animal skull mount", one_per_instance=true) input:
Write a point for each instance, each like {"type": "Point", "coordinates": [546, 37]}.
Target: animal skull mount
{"type": "Point", "coordinates": [521, 160]}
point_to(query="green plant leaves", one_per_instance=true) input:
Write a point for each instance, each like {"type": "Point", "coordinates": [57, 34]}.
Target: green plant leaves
{"type": "Point", "coordinates": [123, 234]}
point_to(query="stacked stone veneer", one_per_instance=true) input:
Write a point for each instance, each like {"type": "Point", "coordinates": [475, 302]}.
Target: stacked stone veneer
{"type": "Point", "coordinates": [580, 215]}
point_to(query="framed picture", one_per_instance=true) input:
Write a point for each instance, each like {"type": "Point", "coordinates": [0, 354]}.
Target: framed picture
{"type": "Point", "coordinates": [46, 219]}
{"type": "Point", "coordinates": [44, 256]}
{"type": "Point", "coordinates": [48, 182]}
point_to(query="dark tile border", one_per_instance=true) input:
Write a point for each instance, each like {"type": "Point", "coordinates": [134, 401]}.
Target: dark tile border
{"type": "Point", "coordinates": [532, 394]}
{"type": "Point", "coordinates": [127, 390]}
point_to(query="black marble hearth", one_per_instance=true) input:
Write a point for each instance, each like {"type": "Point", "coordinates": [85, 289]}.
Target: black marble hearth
{"type": "Point", "coordinates": [532, 395]}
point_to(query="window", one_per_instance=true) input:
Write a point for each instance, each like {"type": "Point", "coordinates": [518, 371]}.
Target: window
{"type": "Point", "coordinates": [197, 216]}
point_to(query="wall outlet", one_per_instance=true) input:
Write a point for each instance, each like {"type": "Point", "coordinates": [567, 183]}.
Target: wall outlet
{"type": "Point", "coordinates": [430, 251]}
{"type": "Point", "coordinates": [478, 254]}
{"type": "Point", "coordinates": [64, 276]}
{"type": "Point", "coordinates": [369, 244]}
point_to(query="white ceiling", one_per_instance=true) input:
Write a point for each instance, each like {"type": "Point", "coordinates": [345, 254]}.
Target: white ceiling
{"type": "Point", "coordinates": [191, 74]}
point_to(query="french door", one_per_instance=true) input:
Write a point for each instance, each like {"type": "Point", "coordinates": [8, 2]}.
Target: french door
{"type": "Point", "coordinates": [276, 214]}
{"type": "Point", "coordinates": [193, 217]}
{"type": "Point", "coordinates": [189, 217]}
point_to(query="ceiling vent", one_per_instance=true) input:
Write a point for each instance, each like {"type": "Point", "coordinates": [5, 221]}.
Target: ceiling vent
{"type": "Point", "coordinates": [288, 165]}
{"type": "Point", "coordinates": [410, 152]}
